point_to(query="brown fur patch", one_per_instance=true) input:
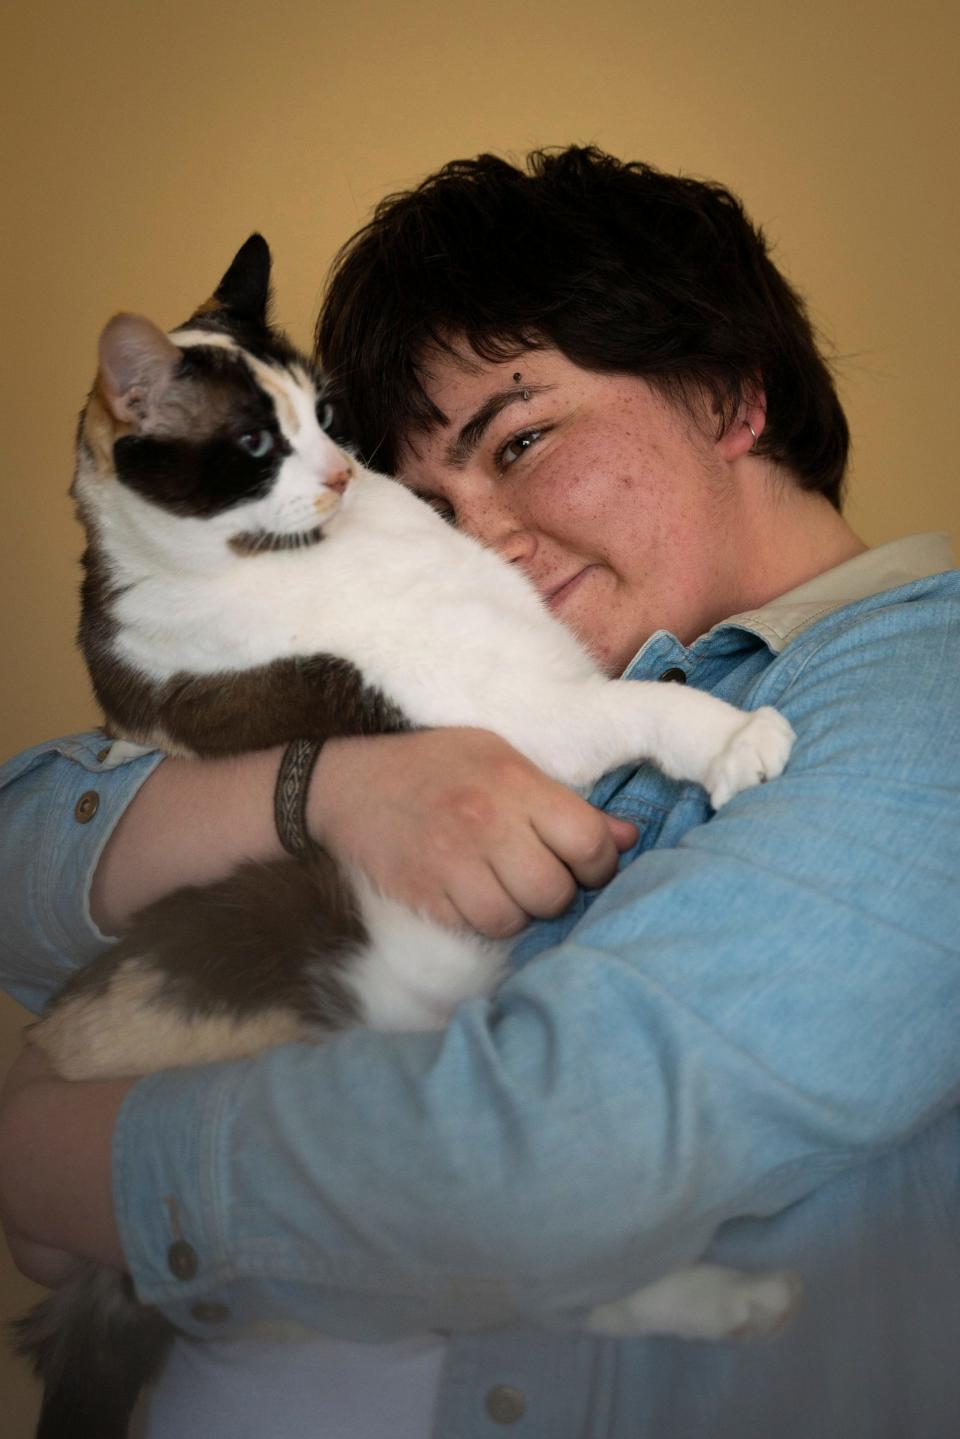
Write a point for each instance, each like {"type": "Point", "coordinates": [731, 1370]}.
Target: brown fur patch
{"type": "Point", "coordinates": [310, 697]}
{"type": "Point", "coordinates": [211, 306]}
{"type": "Point", "coordinates": [100, 429]}
{"type": "Point", "coordinates": [214, 972]}
{"type": "Point", "coordinates": [273, 384]}
{"type": "Point", "coordinates": [192, 410]}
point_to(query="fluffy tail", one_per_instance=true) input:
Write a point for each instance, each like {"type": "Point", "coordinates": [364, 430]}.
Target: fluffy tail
{"type": "Point", "coordinates": [94, 1348]}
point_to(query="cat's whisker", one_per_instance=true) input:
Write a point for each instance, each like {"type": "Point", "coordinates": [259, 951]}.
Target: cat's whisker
{"type": "Point", "coordinates": [376, 449]}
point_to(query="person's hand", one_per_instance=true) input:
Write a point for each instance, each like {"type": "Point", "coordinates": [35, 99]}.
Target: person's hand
{"type": "Point", "coordinates": [458, 825]}
{"type": "Point", "coordinates": [38, 1262]}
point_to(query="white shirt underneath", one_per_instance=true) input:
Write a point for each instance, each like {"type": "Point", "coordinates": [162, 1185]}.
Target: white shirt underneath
{"type": "Point", "coordinates": [300, 1389]}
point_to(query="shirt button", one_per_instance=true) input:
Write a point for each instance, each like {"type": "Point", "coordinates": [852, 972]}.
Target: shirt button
{"type": "Point", "coordinates": [209, 1312]}
{"type": "Point", "coordinates": [182, 1259]}
{"type": "Point", "coordinates": [505, 1404]}
{"type": "Point", "coordinates": [86, 806]}
{"type": "Point", "coordinates": [674, 676]}
{"type": "Point", "coordinates": [103, 755]}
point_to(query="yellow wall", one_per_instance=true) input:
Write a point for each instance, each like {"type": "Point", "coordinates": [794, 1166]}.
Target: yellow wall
{"type": "Point", "coordinates": [144, 141]}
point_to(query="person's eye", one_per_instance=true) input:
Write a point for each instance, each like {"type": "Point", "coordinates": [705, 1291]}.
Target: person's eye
{"type": "Point", "coordinates": [517, 445]}
{"type": "Point", "coordinates": [258, 443]}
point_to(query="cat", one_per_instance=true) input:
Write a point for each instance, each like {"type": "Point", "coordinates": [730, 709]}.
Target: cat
{"type": "Point", "coordinates": [248, 582]}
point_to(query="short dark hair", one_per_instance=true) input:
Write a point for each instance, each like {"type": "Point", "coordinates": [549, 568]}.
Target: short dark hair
{"type": "Point", "coordinates": [617, 265]}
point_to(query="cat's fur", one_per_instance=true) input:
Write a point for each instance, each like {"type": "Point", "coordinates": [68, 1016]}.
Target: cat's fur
{"type": "Point", "coordinates": [248, 583]}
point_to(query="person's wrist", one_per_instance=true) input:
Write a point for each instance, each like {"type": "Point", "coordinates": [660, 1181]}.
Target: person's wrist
{"type": "Point", "coordinates": [323, 790]}
{"type": "Point", "coordinates": [297, 763]}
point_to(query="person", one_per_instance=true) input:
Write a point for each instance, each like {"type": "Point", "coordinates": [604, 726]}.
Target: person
{"type": "Point", "coordinates": [730, 1034]}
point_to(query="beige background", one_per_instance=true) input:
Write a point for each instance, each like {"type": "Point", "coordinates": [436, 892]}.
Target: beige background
{"type": "Point", "coordinates": [145, 141]}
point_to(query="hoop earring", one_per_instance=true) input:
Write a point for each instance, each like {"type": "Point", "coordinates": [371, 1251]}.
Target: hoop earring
{"type": "Point", "coordinates": [752, 431]}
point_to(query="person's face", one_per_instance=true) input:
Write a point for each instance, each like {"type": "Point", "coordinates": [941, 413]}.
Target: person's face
{"type": "Point", "coordinates": [615, 503]}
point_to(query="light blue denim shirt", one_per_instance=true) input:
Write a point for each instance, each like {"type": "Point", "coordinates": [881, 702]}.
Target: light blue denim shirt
{"type": "Point", "coordinates": [748, 1043]}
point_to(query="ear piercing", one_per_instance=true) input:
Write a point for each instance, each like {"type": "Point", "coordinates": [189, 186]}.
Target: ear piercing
{"type": "Point", "coordinates": [752, 430]}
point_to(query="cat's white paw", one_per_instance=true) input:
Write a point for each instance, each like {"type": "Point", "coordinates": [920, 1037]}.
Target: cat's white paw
{"type": "Point", "coordinates": [705, 1301]}
{"type": "Point", "coordinates": [756, 752]}
{"type": "Point", "coordinates": [759, 1306]}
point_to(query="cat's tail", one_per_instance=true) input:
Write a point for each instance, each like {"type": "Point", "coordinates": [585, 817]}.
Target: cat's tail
{"type": "Point", "coordinates": [94, 1347]}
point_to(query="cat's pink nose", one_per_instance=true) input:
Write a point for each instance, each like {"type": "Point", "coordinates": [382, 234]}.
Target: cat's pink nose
{"type": "Point", "coordinates": [338, 482]}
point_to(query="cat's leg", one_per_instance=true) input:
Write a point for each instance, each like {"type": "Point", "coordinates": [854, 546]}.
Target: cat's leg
{"type": "Point", "coordinates": [273, 954]}
{"type": "Point", "coordinates": [587, 729]}
{"type": "Point", "coordinates": [219, 972]}
{"type": "Point", "coordinates": [133, 1026]}
{"type": "Point", "coordinates": [704, 1301]}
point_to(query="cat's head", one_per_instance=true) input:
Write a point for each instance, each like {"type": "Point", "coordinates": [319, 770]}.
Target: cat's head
{"type": "Point", "coordinates": [214, 439]}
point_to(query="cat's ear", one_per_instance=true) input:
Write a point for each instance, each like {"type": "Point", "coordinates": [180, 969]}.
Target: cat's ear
{"type": "Point", "coordinates": [243, 295]}
{"type": "Point", "coordinates": [245, 288]}
{"type": "Point", "coordinates": [135, 358]}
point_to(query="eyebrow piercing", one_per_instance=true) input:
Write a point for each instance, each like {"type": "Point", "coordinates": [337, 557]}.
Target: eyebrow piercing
{"type": "Point", "coordinates": [517, 377]}
{"type": "Point", "coordinates": [525, 394]}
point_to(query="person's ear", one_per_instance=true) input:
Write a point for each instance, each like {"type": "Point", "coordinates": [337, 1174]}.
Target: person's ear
{"type": "Point", "coordinates": [742, 435]}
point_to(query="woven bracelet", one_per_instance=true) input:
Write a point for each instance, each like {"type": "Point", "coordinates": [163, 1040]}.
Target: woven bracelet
{"type": "Point", "coordinates": [290, 795]}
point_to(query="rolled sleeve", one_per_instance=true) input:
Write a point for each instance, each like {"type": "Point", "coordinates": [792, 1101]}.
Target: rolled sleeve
{"type": "Point", "coordinates": [219, 1258]}
{"type": "Point", "coordinates": [59, 804]}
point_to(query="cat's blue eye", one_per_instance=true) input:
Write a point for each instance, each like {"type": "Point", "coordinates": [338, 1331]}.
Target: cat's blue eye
{"type": "Point", "coordinates": [257, 443]}
{"type": "Point", "coordinates": [324, 415]}
{"type": "Point", "coordinates": [517, 445]}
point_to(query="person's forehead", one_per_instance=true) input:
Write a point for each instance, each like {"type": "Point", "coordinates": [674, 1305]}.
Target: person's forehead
{"type": "Point", "coordinates": [461, 378]}
{"type": "Point", "coordinates": [456, 362]}
{"type": "Point", "coordinates": [456, 380]}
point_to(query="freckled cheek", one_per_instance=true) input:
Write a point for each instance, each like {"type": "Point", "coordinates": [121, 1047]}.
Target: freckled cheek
{"type": "Point", "coordinates": [572, 491]}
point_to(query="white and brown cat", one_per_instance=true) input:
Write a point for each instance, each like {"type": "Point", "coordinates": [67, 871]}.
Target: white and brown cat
{"type": "Point", "coordinates": [247, 583]}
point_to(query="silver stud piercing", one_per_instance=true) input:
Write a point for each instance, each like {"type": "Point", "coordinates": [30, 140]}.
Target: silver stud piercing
{"type": "Point", "coordinates": [525, 395]}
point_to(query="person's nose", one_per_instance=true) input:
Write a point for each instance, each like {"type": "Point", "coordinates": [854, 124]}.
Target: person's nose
{"type": "Point", "coordinates": [516, 546]}
{"type": "Point", "coordinates": [499, 529]}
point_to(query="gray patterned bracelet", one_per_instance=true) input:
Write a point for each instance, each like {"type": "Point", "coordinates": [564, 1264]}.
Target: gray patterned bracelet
{"type": "Point", "coordinates": [290, 795]}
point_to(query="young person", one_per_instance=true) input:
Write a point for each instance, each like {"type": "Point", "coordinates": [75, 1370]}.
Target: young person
{"type": "Point", "coordinates": [743, 1044]}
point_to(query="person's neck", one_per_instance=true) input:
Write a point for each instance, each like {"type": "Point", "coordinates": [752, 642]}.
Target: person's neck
{"type": "Point", "coordinates": [794, 537]}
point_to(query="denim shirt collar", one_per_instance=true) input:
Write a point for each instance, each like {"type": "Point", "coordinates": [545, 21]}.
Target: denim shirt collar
{"type": "Point", "coordinates": [778, 622]}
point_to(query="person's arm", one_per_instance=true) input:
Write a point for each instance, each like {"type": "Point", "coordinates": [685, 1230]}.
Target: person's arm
{"type": "Point", "coordinates": [735, 1020]}
{"type": "Point", "coordinates": [190, 823]}
{"type": "Point", "coordinates": [92, 831]}
{"type": "Point", "coordinates": [79, 1119]}
{"type": "Point", "coordinates": [59, 803]}
{"type": "Point", "coordinates": [463, 827]}
{"type": "Point", "coordinates": [453, 822]}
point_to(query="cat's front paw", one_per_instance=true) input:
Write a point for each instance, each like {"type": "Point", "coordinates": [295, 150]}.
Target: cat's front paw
{"type": "Point", "coordinates": [754, 753]}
